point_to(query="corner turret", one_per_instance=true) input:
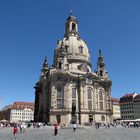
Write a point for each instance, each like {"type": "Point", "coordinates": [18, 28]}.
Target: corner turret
{"type": "Point", "coordinates": [101, 71]}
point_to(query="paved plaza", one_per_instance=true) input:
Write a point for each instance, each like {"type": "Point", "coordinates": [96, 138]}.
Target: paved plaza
{"type": "Point", "coordinates": [88, 133]}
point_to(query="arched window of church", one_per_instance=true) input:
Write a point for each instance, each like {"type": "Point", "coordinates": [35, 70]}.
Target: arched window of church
{"type": "Point", "coordinates": [89, 94]}
{"type": "Point", "coordinates": [80, 49]}
{"type": "Point", "coordinates": [59, 98]}
{"type": "Point", "coordinates": [73, 27]}
{"type": "Point", "coordinates": [73, 92]}
{"type": "Point", "coordinates": [100, 95]}
{"type": "Point", "coordinates": [89, 97]}
{"type": "Point", "coordinates": [59, 92]}
{"type": "Point", "coordinates": [74, 96]}
{"type": "Point", "coordinates": [101, 99]}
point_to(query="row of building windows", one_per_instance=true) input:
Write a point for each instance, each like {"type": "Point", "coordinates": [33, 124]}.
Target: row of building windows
{"type": "Point", "coordinates": [129, 110]}
{"type": "Point", "coordinates": [124, 108]}
{"type": "Point", "coordinates": [17, 110]}
{"type": "Point", "coordinates": [22, 114]}
{"type": "Point", "coordinates": [127, 104]}
{"type": "Point", "coordinates": [75, 98]}
{"type": "Point", "coordinates": [80, 49]}
{"type": "Point", "coordinates": [24, 106]}
{"type": "Point", "coordinates": [127, 117]}
{"type": "Point", "coordinates": [125, 112]}
{"type": "Point", "coordinates": [135, 104]}
{"type": "Point", "coordinates": [22, 117]}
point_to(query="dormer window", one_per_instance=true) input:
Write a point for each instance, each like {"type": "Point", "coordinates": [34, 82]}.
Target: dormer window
{"type": "Point", "coordinates": [81, 49]}
{"type": "Point", "coordinates": [59, 65]}
{"type": "Point", "coordinates": [66, 48]}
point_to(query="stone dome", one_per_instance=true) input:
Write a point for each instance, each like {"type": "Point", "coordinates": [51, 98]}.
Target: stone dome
{"type": "Point", "coordinates": [74, 46]}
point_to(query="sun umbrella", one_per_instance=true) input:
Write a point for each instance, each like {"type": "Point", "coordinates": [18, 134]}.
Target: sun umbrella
{"type": "Point", "coordinates": [4, 121]}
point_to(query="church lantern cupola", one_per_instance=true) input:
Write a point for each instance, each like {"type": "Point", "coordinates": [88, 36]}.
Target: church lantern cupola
{"type": "Point", "coordinates": [71, 49]}
{"type": "Point", "coordinates": [71, 26]}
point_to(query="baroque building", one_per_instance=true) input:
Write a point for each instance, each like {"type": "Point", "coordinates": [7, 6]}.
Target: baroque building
{"type": "Point", "coordinates": [18, 112]}
{"type": "Point", "coordinates": [71, 81]}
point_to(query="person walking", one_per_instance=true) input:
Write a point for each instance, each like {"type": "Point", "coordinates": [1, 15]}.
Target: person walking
{"type": "Point", "coordinates": [55, 129]}
{"type": "Point", "coordinates": [15, 130]}
{"type": "Point", "coordinates": [74, 127]}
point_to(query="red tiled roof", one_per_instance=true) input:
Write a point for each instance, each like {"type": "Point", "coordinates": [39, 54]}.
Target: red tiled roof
{"type": "Point", "coordinates": [128, 95]}
{"type": "Point", "coordinates": [23, 105]}
{"type": "Point", "coordinates": [115, 99]}
{"type": "Point", "coordinates": [137, 97]}
{"type": "Point", "coordinates": [24, 102]}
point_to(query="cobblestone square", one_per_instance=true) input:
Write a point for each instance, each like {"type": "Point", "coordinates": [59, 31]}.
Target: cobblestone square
{"type": "Point", "coordinates": [88, 133]}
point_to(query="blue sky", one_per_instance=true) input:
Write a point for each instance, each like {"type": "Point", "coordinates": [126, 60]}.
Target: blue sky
{"type": "Point", "coordinates": [29, 30]}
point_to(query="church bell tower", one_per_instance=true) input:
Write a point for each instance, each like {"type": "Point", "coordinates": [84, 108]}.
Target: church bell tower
{"type": "Point", "coordinates": [71, 26]}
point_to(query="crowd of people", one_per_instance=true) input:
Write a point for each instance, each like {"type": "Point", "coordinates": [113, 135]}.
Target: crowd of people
{"type": "Point", "coordinates": [17, 127]}
{"type": "Point", "coordinates": [128, 124]}
{"type": "Point", "coordinates": [21, 127]}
